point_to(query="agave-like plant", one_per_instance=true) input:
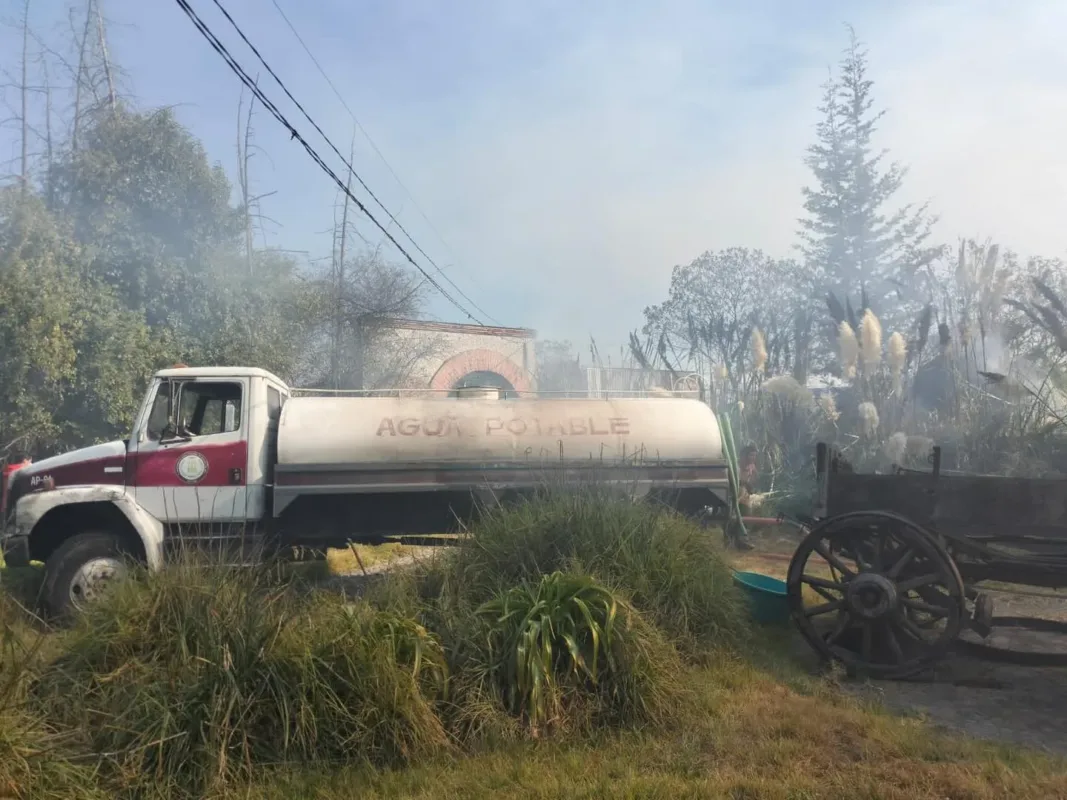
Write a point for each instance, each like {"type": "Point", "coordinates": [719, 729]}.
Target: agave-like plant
{"type": "Point", "coordinates": [559, 631]}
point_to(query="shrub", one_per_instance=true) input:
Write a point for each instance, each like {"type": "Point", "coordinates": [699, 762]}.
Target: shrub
{"type": "Point", "coordinates": [195, 676]}
{"type": "Point", "coordinates": [671, 569]}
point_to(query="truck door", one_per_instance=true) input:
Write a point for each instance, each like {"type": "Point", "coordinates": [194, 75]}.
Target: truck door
{"type": "Point", "coordinates": [191, 458]}
{"type": "Point", "coordinates": [263, 449]}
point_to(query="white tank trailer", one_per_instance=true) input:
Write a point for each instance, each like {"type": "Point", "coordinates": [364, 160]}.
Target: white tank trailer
{"type": "Point", "coordinates": [229, 454]}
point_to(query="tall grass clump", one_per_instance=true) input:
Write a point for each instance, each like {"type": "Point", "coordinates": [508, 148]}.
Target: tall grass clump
{"type": "Point", "coordinates": [193, 677]}
{"type": "Point", "coordinates": [671, 569]}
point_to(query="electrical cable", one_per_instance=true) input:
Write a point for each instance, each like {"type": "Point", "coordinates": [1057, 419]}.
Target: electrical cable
{"type": "Point", "coordinates": [370, 141]}
{"type": "Point", "coordinates": [337, 151]}
{"type": "Point", "coordinates": [253, 87]}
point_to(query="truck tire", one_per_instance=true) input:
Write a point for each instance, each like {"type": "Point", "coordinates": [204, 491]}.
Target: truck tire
{"type": "Point", "coordinates": [80, 569]}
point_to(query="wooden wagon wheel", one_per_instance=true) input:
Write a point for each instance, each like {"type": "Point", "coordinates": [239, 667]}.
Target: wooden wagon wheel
{"type": "Point", "coordinates": [877, 593]}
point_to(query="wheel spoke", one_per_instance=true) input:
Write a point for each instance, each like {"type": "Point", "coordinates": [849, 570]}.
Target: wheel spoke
{"type": "Point", "coordinates": [842, 625]}
{"type": "Point", "coordinates": [918, 605]}
{"type": "Point", "coordinates": [833, 560]}
{"type": "Point", "coordinates": [824, 608]}
{"type": "Point", "coordinates": [915, 583]}
{"type": "Point", "coordinates": [879, 554]}
{"type": "Point", "coordinates": [816, 582]}
{"type": "Point", "coordinates": [894, 643]}
{"type": "Point", "coordinates": [911, 629]}
{"type": "Point", "coordinates": [821, 585]}
{"type": "Point", "coordinates": [903, 561]}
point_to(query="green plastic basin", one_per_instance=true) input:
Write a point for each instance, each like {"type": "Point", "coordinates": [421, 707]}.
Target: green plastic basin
{"type": "Point", "coordinates": [766, 597]}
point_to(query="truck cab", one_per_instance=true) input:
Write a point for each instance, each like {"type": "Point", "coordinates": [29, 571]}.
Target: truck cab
{"type": "Point", "coordinates": [199, 460]}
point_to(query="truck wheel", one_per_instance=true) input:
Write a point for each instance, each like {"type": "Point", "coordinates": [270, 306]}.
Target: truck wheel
{"type": "Point", "coordinates": [80, 570]}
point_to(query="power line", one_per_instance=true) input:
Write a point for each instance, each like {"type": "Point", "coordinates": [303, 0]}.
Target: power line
{"type": "Point", "coordinates": [253, 87]}
{"type": "Point", "coordinates": [374, 146]}
{"type": "Point", "coordinates": [338, 153]}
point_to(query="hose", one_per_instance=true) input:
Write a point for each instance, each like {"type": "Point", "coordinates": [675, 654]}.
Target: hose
{"type": "Point", "coordinates": [732, 468]}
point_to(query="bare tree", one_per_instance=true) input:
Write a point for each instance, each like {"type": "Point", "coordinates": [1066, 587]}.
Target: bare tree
{"type": "Point", "coordinates": [341, 238]}
{"type": "Point", "coordinates": [251, 209]}
{"type": "Point", "coordinates": [24, 167]}
{"type": "Point", "coordinates": [354, 304]}
{"type": "Point", "coordinates": [83, 44]}
{"type": "Point", "coordinates": [106, 59]}
{"type": "Point", "coordinates": [49, 144]}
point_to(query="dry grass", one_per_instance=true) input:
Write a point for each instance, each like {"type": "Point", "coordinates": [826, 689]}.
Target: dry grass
{"type": "Point", "coordinates": [749, 736]}
{"type": "Point", "coordinates": [344, 561]}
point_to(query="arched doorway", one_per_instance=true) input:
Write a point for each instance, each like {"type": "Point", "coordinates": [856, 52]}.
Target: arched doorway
{"type": "Point", "coordinates": [483, 378]}
{"type": "Point", "coordinates": [471, 366]}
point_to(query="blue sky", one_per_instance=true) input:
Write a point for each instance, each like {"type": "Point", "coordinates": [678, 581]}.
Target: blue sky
{"type": "Point", "coordinates": [569, 154]}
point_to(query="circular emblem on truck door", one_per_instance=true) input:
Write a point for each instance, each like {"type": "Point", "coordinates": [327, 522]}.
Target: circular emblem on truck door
{"type": "Point", "coordinates": [191, 467]}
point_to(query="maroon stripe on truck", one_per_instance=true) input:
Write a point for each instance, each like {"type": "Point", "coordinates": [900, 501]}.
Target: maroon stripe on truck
{"type": "Point", "coordinates": [90, 473]}
{"type": "Point", "coordinates": [466, 476]}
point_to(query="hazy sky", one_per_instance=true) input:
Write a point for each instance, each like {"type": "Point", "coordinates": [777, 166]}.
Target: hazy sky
{"type": "Point", "coordinates": [570, 153]}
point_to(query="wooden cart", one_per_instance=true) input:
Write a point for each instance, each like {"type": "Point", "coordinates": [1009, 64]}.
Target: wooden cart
{"type": "Point", "coordinates": [889, 575]}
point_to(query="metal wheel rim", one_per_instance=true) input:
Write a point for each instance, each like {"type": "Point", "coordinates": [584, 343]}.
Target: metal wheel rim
{"type": "Point", "coordinates": [93, 578]}
{"type": "Point", "coordinates": [892, 644]}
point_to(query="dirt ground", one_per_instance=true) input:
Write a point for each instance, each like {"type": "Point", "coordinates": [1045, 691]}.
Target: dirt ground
{"type": "Point", "coordinates": [981, 698]}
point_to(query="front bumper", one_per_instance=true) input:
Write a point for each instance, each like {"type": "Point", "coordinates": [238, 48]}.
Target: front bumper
{"type": "Point", "coordinates": [15, 550]}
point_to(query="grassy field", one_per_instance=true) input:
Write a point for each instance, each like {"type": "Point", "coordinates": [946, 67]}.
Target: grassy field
{"type": "Point", "coordinates": [750, 735]}
{"type": "Point", "coordinates": [582, 648]}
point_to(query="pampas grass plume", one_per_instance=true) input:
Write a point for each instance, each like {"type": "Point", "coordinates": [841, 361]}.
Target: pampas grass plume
{"type": "Point", "coordinates": [788, 389]}
{"type": "Point", "coordinates": [849, 349]}
{"type": "Point", "coordinates": [870, 340]}
{"type": "Point", "coordinates": [896, 447]}
{"type": "Point", "coordinates": [759, 350]}
{"type": "Point", "coordinates": [868, 418]}
{"type": "Point", "coordinates": [898, 356]}
{"type": "Point", "coordinates": [829, 406]}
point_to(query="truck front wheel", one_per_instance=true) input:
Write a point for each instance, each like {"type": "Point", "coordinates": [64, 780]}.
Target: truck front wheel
{"type": "Point", "coordinates": [80, 570]}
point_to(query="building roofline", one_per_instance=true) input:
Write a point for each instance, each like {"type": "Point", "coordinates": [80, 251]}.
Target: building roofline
{"type": "Point", "coordinates": [461, 327]}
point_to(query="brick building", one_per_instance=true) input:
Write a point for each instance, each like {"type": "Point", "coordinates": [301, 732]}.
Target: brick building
{"type": "Point", "coordinates": [455, 355]}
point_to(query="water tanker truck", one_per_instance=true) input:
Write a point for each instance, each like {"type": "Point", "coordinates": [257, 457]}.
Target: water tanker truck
{"type": "Point", "coordinates": [233, 454]}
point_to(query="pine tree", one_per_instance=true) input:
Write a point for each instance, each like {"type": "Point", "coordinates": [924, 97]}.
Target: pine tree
{"type": "Point", "coordinates": [851, 239]}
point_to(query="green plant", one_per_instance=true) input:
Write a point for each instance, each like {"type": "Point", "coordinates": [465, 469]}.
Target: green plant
{"type": "Point", "coordinates": [564, 626]}
{"type": "Point", "coordinates": [566, 638]}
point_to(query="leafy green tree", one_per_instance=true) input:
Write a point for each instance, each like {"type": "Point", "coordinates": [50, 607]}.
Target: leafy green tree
{"type": "Point", "coordinates": [714, 304]}
{"type": "Point", "coordinates": [37, 343]}
{"type": "Point", "coordinates": [151, 211]}
{"type": "Point", "coordinates": [73, 358]}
